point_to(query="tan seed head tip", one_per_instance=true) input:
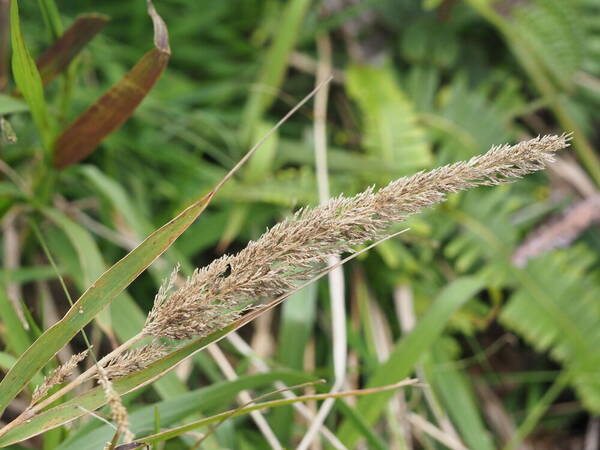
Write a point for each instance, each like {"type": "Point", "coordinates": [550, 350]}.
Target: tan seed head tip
{"type": "Point", "coordinates": [57, 376]}
{"type": "Point", "coordinates": [118, 410]}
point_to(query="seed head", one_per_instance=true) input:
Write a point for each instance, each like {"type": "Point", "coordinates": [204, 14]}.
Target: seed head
{"type": "Point", "coordinates": [294, 250]}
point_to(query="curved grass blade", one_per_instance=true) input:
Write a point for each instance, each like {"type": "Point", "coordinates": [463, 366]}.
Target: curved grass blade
{"type": "Point", "coordinates": [4, 40]}
{"type": "Point", "coordinates": [456, 394]}
{"type": "Point", "coordinates": [51, 17]}
{"type": "Point", "coordinates": [94, 299]}
{"type": "Point", "coordinates": [123, 317]}
{"type": "Point", "coordinates": [28, 79]}
{"type": "Point", "coordinates": [366, 430]}
{"type": "Point", "coordinates": [15, 336]}
{"type": "Point", "coordinates": [58, 57]}
{"type": "Point", "coordinates": [6, 362]}
{"type": "Point", "coordinates": [273, 68]}
{"type": "Point", "coordinates": [116, 105]}
{"type": "Point", "coordinates": [90, 260]}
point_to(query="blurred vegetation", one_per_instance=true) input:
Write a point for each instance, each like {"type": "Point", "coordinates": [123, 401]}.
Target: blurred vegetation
{"type": "Point", "coordinates": [416, 85]}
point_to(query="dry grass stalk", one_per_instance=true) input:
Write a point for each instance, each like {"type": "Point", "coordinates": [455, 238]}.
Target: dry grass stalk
{"type": "Point", "coordinates": [118, 411]}
{"type": "Point", "coordinates": [57, 376]}
{"type": "Point", "coordinates": [293, 250]}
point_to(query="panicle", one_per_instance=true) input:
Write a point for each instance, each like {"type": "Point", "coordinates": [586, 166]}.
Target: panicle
{"type": "Point", "coordinates": [57, 376]}
{"type": "Point", "coordinates": [294, 250]}
{"type": "Point", "coordinates": [134, 360]}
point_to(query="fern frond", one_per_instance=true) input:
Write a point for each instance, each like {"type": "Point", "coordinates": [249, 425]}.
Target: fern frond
{"type": "Point", "coordinates": [390, 125]}
{"type": "Point", "coordinates": [553, 29]}
{"type": "Point", "coordinates": [557, 309]}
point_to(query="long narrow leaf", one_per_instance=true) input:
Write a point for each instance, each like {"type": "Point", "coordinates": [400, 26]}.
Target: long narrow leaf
{"type": "Point", "coordinates": [410, 349]}
{"type": "Point", "coordinates": [273, 67]}
{"type": "Point", "coordinates": [28, 78]}
{"type": "Point", "coordinates": [116, 105]}
{"type": "Point", "coordinates": [11, 105]}
{"type": "Point", "coordinates": [98, 296]}
{"type": "Point", "coordinates": [51, 17]}
{"type": "Point", "coordinates": [457, 395]}
{"type": "Point", "coordinates": [15, 336]}
{"type": "Point", "coordinates": [58, 57]}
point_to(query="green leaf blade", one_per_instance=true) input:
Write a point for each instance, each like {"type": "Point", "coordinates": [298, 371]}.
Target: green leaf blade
{"type": "Point", "coordinates": [94, 299]}
{"type": "Point", "coordinates": [28, 79]}
{"type": "Point", "coordinates": [409, 350]}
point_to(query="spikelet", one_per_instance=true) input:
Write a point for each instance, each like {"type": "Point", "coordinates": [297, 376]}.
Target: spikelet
{"type": "Point", "coordinates": [134, 360]}
{"type": "Point", "coordinates": [118, 411]}
{"type": "Point", "coordinates": [57, 376]}
{"type": "Point", "coordinates": [293, 250]}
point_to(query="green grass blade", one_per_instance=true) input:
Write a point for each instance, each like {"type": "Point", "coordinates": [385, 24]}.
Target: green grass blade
{"type": "Point", "coordinates": [409, 350]}
{"type": "Point", "coordinates": [273, 67]}
{"type": "Point", "coordinates": [117, 195]}
{"type": "Point", "coordinates": [15, 336]}
{"type": "Point", "coordinates": [11, 105]}
{"type": "Point", "coordinates": [357, 421]}
{"type": "Point", "coordinates": [28, 78]}
{"type": "Point", "coordinates": [457, 395]}
{"type": "Point", "coordinates": [122, 318]}
{"type": "Point", "coordinates": [94, 300]}
{"type": "Point", "coordinates": [51, 17]}
{"type": "Point", "coordinates": [28, 274]}
{"type": "Point", "coordinates": [297, 321]}
{"type": "Point", "coordinates": [90, 260]}
{"type": "Point", "coordinates": [7, 361]}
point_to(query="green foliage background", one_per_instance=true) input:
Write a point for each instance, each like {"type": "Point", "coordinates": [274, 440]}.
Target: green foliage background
{"type": "Point", "coordinates": [417, 85]}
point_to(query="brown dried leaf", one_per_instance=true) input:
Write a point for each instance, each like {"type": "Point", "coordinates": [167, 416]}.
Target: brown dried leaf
{"type": "Point", "coordinates": [116, 105]}
{"type": "Point", "coordinates": [58, 57]}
